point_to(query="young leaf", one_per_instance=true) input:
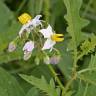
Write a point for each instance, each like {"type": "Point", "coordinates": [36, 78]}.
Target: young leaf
{"type": "Point", "coordinates": [41, 84]}
{"type": "Point", "coordinates": [87, 46]}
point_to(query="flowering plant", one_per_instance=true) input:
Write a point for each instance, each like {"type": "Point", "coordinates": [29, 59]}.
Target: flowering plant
{"type": "Point", "coordinates": [55, 52]}
{"type": "Point", "coordinates": [39, 35]}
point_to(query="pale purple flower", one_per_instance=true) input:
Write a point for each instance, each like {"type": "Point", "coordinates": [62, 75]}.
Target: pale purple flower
{"type": "Point", "coordinates": [36, 21]}
{"type": "Point", "coordinates": [11, 47]}
{"type": "Point", "coordinates": [28, 48]}
{"type": "Point", "coordinates": [54, 59]}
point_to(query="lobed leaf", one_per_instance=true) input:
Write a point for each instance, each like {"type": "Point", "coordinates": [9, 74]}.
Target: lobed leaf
{"type": "Point", "coordinates": [75, 22]}
{"type": "Point", "coordinates": [41, 84]}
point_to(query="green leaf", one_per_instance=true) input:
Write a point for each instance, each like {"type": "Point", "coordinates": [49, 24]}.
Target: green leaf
{"type": "Point", "coordinates": [52, 84]}
{"type": "Point", "coordinates": [85, 89]}
{"type": "Point", "coordinates": [8, 26]}
{"type": "Point", "coordinates": [8, 85]}
{"type": "Point", "coordinates": [33, 92]}
{"type": "Point", "coordinates": [92, 64]}
{"type": "Point", "coordinates": [87, 79]}
{"type": "Point", "coordinates": [8, 57]}
{"type": "Point", "coordinates": [41, 84]}
{"type": "Point", "coordinates": [88, 74]}
{"type": "Point", "coordinates": [9, 29]}
{"type": "Point", "coordinates": [75, 22]}
{"type": "Point", "coordinates": [38, 69]}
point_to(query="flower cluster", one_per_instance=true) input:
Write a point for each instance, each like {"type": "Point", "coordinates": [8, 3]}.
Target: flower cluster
{"type": "Point", "coordinates": [37, 36]}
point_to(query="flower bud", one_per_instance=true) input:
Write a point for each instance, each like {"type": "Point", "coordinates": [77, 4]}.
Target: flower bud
{"type": "Point", "coordinates": [37, 61]}
{"type": "Point", "coordinates": [55, 59]}
{"type": "Point", "coordinates": [27, 56]}
{"type": "Point", "coordinates": [12, 46]}
{"type": "Point", "coordinates": [46, 60]}
{"type": "Point", "coordinates": [28, 48]}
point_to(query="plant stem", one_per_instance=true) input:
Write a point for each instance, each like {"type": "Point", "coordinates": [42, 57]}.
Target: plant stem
{"type": "Point", "coordinates": [70, 82]}
{"type": "Point", "coordinates": [74, 73]}
{"type": "Point", "coordinates": [55, 76]}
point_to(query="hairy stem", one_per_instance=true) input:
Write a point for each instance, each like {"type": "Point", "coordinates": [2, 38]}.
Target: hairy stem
{"type": "Point", "coordinates": [56, 77]}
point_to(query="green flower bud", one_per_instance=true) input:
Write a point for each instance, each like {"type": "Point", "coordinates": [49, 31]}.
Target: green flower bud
{"type": "Point", "coordinates": [46, 60]}
{"type": "Point", "coordinates": [37, 61]}
{"type": "Point", "coordinates": [12, 46]}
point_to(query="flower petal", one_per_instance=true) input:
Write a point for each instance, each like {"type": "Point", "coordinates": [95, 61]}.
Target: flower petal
{"type": "Point", "coordinates": [35, 22]}
{"type": "Point", "coordinates": [38, 17]}
{"type": "Point", "coordinates": [22, 30]}
{"type": "Point", "coordinates": [47, 32]}
{"type": "Point", "coordinates": [29, 46]}
{"type": "Point", "coordinates": [48, 44]}
{"type": "Point", "coordinates": [50, 29]}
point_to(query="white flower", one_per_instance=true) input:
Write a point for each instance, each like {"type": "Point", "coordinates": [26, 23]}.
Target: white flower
{"type": "Point", "coordinates": [31, 23]}
{"type": "Point", "coordinates": [28, 48]}
{"type": "Point", "coordinates": [52, 37]}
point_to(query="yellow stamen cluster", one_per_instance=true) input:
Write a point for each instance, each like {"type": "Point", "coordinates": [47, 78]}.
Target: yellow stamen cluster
{"type": "Point", "coordinates": [57, 37]}
{"type": "Point", "coordinates": [24, 18]}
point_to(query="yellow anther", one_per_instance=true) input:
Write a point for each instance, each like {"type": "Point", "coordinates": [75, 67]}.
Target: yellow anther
{"type": "Point", "coordinates": [57, 37]}
{"type": "Point", "coordinates": [24, 18]}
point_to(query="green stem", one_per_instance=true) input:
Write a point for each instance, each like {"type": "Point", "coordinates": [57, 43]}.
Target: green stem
{"type": "Point", "coordinates": [70, 82]}
{"type": "Point", "coordinates": [74, 73]}
{"type": "Point", "coordinates": [55, 76]}
{"type": "Point", "coordinates": [75, 61]}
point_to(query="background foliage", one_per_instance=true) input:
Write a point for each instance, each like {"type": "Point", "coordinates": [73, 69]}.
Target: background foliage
{"type": "Point", "coordinates": [76, 19]}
